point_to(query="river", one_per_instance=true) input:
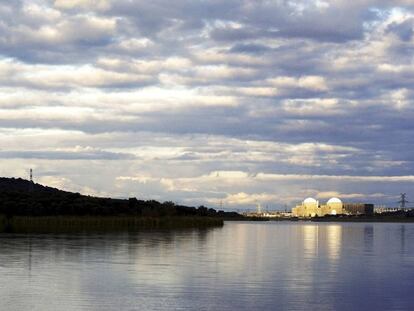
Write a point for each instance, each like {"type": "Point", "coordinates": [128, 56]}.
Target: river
{"type": "Point", "coordinates": [240, 266]}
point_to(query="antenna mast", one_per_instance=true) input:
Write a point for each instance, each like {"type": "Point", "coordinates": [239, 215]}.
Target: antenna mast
{"type": "Point", "coordinates": [31, 180]}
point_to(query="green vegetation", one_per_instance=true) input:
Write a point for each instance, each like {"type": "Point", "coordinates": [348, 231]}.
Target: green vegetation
{"type": "Point", "coordinates": [29, 207]}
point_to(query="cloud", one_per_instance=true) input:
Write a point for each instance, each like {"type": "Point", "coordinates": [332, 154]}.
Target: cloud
{"type": "Point", "coordinates": [408, 178]}
{"type": "Point", "coordinates": [202, 102]}
{"type": "Point", "coordinates": [249, 48]}
{"type": "Point", "coordinates": [85, 4]}
{"type": "Point", "coordinates": [77, 153]}
{"type": "Point", "coordinates": [403, 30]}
{"type": "Point", "coordinates": [243, 198]}
{"type": "Point", "coordinates": [50, 77]}
{"type": "Point", "coordinates": [345, 196]}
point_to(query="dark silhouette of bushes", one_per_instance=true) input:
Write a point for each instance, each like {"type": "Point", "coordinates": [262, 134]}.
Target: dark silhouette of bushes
{"type": "Point", "coordinates": [20, 197]}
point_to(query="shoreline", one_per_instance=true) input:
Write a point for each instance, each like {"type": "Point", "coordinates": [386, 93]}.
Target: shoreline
{"type": "Point", "coordinates": [368, 219]}
{"type": "Point", "coordinates": [379, 219]}
{"type": "Point", "coordinates": [59, 224]}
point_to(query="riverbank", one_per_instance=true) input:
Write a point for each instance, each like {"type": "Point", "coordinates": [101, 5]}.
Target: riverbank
{"type": "Point", "coordinates": [30, 207]}
{"type": "Point", "coordinates": [364, 219]}
{"type": "Point", "coordinates": [404, 217]}
{"type": "Point", "coordinates": [55, 224]}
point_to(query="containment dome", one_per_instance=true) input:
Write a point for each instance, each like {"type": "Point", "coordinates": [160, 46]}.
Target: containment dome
{"type": "Point", "coordinates": [334, 200]}
{"type": "Point", "coordinates": [310, 201]}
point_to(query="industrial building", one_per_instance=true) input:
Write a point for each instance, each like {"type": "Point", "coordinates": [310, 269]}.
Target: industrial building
{"type": "Point", "coordinates": [311, 208]}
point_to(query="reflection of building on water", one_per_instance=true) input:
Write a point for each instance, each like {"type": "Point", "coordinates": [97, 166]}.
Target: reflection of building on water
{"type": "Point", "coordinates": [334, 240]}
{"type": "Point", "coordinates": [322, 239]}
{"type": "Point", "coordinates": [310, 240]}
{"type": "Point", "coordinates": [311, 208]}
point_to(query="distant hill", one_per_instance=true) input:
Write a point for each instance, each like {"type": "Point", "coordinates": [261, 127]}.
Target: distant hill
{"type": "Point", "coordinates": [22, 197]}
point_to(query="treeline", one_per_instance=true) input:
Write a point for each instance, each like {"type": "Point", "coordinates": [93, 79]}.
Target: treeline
{"type": "Point", "coordinates": [20, 197]}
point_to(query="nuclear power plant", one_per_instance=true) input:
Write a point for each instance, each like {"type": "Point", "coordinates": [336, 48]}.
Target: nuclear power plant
{"type": "Point", "coordinates": [311, 208]}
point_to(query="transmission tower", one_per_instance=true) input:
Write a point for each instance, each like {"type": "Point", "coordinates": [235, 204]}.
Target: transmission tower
{"type": "Point", "coordinates": [403, 201]}
{"type": "Point", "coordinates": [259, 208]}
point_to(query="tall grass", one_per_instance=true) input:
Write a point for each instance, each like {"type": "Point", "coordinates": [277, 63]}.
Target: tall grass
{"type": "Point", "coordinates": [46, 224]}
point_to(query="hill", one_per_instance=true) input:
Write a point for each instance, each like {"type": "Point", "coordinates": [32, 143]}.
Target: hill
{"type": "Point", "coordinates": [22, 185]}
{"type": "Point", "coordinates": [19, 197]}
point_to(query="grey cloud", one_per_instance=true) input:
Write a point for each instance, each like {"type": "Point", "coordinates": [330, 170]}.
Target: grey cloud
{"type": "Point", "coordinates": [239, 34]}
{"type": "Point", "coordinates": [336, 23]}
{"type": "Point", "coordinates": [403, 30]}
{"type": "Point", "coordinates": [66, 155]}
{"type": "Point", "coordinates": [249, 48]}
{"type": "Point", "coordinates": [196, 87]}
{"type": "Point", "coordinates": [48, 36]}
{"type": "Point", "coordinates": [163, 21]}
{"type": "Point", "coordinates": [152, 16]}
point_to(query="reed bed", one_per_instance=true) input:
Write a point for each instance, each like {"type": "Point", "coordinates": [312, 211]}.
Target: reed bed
{"type": "Point", "coordinates": [50, 224]}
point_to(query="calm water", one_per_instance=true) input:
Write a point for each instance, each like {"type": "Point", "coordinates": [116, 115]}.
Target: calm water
{"type": "Point", "coordinates": [241, 266]}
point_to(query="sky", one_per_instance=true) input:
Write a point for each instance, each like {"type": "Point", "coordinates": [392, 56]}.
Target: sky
{"type": "Point", "coordinates": [223, 103]}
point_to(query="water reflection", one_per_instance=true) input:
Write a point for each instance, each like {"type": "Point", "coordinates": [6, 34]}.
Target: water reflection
{"type": "Point", "coordinates": [402, 234]}
{"type": "Point", "coordinates": [368, 238]}
{"type": "Point", "coordinates": [319, 239]}
{"type": "Point", "coordinates": [334, 241]}
{"type": "Point", "coordinates": [242, 266]}
{"type": "Point", "coordinates": [310, 240]}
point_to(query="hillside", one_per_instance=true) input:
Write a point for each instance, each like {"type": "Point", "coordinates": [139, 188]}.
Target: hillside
{"type": "Point", "coordinates": [22, 185]}
{"type": "Point", "coordinates": [21, 197]}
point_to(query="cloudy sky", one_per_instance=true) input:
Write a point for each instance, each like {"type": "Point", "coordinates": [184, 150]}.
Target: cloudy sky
{"type": "Point", "coordinates": [201, 102]}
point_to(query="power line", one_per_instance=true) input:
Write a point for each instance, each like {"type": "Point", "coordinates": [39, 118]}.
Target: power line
{"type": "Point", "coordinates": [403, 200]}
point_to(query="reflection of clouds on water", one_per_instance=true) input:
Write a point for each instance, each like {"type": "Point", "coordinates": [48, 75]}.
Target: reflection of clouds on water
{"type": "Point", "coordinates": [242, 266]}
{"type": "Point", "coordinates": [91, 272]}
{"type": "Point", "coordinates": [166, 258]}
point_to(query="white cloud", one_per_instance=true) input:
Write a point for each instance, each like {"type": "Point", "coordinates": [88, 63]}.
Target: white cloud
{"type": "Point", "coordinates": [344, 196]}
{"type": "Point", "coordinates": [243, 198]}
{"type": "Point", "coordinates": [209, 101]}
{"type": "Point", "coordinates": [345, 178]}
{"type": "Point", "coordinates": [216, 57]}
{"type": "Point", "coordinates": [87, 4]}
{"type": "Point", "coordinates": [314, 83]}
